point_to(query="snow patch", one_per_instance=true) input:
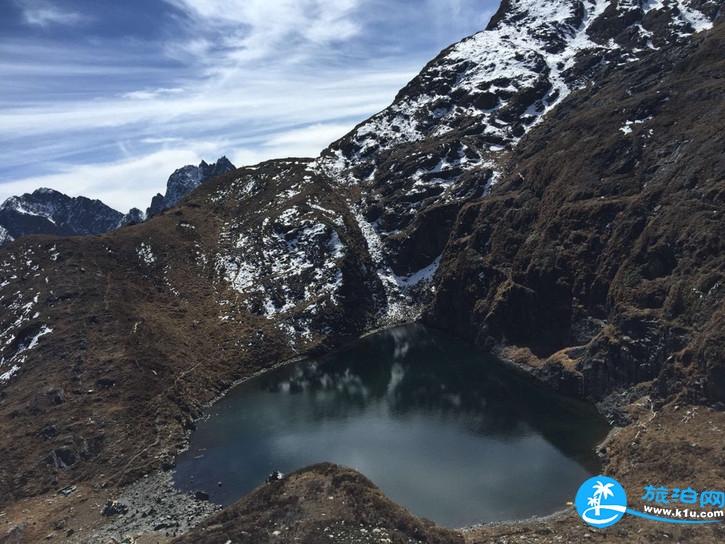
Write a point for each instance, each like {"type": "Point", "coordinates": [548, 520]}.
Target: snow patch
{"type": "Point", "coordinates": [20, 355]}
{"type": "Point", "coordinates": [145, 253]}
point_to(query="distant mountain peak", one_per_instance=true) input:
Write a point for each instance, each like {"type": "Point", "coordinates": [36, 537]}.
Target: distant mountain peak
{"type": "Point", "coordinates": [133, 217]}
{"type": "Point", "coordinates": [47, 191]}
{"type": "Point", "coordinates": [186, 179]}
{"type": "Point", "coordinates": [47, 211]}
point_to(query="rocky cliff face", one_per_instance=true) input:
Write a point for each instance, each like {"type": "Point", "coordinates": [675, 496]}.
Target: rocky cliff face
{"type": "Point", "coordinates": [600, 251]}
{"type": "Point", "coordinates": [548, 186]}
{"type": "Point", "coordinates": [184, 180]}
{"type": "Point", "coordinates": [46, 211]}
{"type": "Point", "coordinates": [442, 141]}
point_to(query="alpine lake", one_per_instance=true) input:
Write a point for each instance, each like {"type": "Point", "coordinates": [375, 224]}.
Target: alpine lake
{"type": "Point", "coordinates": [452, 434]}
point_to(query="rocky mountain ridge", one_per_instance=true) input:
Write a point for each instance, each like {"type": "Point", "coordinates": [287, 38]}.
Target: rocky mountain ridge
{"type": "Point", "coordinates": [587, 247]}
{"type": "Point", "coordinates": [45, 211]}
{"type": "Point", "coordinates": [599, 254]}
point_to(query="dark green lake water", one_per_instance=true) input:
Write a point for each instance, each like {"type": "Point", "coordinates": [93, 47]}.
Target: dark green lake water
{"type": "Point", "coordinates": [449, 433]}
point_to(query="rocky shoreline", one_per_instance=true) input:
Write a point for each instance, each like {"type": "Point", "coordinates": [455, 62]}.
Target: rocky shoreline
{"type": "Point", "coordinates": [151, 505]}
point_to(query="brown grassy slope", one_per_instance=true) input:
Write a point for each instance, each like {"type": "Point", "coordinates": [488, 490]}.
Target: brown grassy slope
{"type": "Point", "coordinates": [139, 347]}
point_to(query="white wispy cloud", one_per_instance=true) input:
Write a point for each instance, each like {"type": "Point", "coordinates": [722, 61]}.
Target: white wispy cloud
{"type": "Point", "coordinates": [147, 94]}
{"type": "Point", "coordinates": [116, 183]}
{"type": "Point", "coordinates": [251, 29]}
{"type": "Point", "coordinates": [43, 13]}
{"type": "Point", "coordinates": [132, 181]}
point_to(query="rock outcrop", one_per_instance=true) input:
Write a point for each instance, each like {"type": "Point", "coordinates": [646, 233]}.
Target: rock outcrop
{"type": "Point", "coordinates": [184, 180]}
{"type": "Point", "coordinates": [288, 510]}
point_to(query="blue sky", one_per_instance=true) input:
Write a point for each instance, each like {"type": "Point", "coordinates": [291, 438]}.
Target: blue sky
{"type": "Point", "coordinates": [106, 98]}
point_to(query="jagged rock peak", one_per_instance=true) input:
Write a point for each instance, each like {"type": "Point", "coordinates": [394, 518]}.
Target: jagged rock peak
{"type": "Point", "coordinates": [186, 179]}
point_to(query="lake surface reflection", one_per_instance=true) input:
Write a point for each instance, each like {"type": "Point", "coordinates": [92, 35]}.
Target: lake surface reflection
{"type": "Point", "coordinates": [449, 433]}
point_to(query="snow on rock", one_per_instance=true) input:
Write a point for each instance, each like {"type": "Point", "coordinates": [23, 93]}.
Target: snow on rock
{"type": "Point", "coordinates": [504, 79]}
{"type": "Point", "coordinates": [400, 291]}
{"type": "Point", "coordinates": [423, 275]}
{"type": "Point", "coordinates": [5, 236]}
{"type": "Point", "coordinates": [440, 143]}
{"type": "Point", "coordinates": [685, 14]}
{"type": "Point", "coordinates": [627, 127]}
{"type": "Point", "coordinates": [282, 250]}
{"type": "Point", "coordinates": [290, 262]}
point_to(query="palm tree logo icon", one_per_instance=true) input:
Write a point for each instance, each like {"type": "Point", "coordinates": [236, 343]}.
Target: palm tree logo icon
{"type": "Point", "coordinates": [601, 491]}
{"type": "Point", "coordinates": [601, 501]}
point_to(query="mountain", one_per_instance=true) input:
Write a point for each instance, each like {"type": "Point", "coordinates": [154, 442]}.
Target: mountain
{"type": "Point", "coordinates": [184, 180]}
{"type": "Point", "coordinates": [600, 251]}
{"type": "Point", "coordinates": [45, 211]}
{"type": "Point", "coordinates": [133, 217]}
{"type": "Point", "coordinates": [473, 103]}
{"type": "Point", "coordinates": [550, 189]}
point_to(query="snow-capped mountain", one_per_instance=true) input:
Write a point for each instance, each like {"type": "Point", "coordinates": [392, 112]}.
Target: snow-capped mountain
{"type": "Point", "coordinates": [440, 144]}
{"type": "Point", "coordinates": [403, 176]}
{"type": "Point", "coordinates": [370, 218]}
{"type": "Point", "coordinates": [184, 180]}
{"type": "Point", "coordinates": [497, 83]}
{"type": "Point", "coordinates": [45, 211]}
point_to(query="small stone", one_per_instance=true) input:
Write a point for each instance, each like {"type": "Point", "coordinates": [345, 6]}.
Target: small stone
{"type": "Point", "coordinates": [67, 490]}
{"type": "Point", "coordinates": [113, 508]}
